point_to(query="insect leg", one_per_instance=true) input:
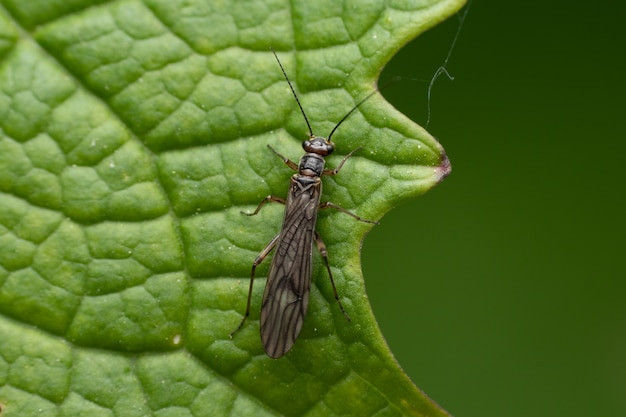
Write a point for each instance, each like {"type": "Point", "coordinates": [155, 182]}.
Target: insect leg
{"type": "Point", "coordinates": [349, 213]}
{"type": "Point", "coordinates": [321, 247]}
{"type": "Point", "coordinates": [256, 262]}
{"type": "Point", "coordinates": [271, 198]}
{"type": "Point", "coordinates": [287, 161]}
{"type": "Point", "coordinates": [343, 161]}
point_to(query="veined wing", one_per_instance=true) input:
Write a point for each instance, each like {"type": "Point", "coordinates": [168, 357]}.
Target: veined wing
{"type": "Point", "coordinates": [286, 296]}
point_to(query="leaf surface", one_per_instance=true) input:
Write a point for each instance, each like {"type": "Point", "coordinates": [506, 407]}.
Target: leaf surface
{"type": "Point", "coordinates": [132, 134]}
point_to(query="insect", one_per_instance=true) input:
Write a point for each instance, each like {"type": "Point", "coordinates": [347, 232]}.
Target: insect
{"type": "Point", "coordinates": [286, 295]}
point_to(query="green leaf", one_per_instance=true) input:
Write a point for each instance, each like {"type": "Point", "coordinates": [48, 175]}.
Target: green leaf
{"type": "Point", "coordinates": [131, 136]}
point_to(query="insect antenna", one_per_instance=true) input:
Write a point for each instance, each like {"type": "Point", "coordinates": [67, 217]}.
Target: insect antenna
{"type": "Point", "coordinates": [350, 112]}
{"type": "Point", "coordinates": [294, 92]}
{"type": "Point", "coordinates": [367, 97]}
{"type": "Point", "coordinates": [343, 119]}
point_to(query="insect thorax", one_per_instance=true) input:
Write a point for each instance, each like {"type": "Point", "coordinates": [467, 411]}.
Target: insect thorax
{"type": "Point", "coordinates": [311, 164]}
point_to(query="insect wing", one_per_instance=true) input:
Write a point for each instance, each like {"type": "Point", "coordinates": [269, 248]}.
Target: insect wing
{"type": "Point", "coordinates": [286, 296]}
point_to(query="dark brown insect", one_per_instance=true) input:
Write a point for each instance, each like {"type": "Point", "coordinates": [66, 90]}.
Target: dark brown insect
{"type": "Point", "coordinates": [286, 296]}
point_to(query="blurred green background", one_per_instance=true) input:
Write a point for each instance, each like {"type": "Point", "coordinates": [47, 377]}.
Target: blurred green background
{"type": "Point", "coordinates": [502, 292]}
